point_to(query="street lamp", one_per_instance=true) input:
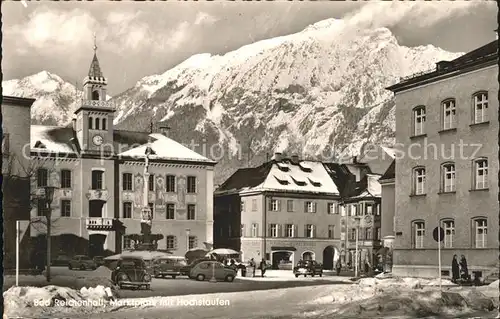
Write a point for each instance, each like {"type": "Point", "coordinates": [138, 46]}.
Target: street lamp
{"type": "Point", "coordinates": [49, 197]}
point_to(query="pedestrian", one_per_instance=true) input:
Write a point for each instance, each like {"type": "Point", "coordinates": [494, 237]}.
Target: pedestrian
{"type": "Point", "coordinates": [455, 269]}
{"type": "Point", "coordinates": [339, 267]}
{"type": "Point", "coordinates": [263, 267]}
{"type": "Point", "coordinates": [464, 268]}
{"type": "Point", "coordinates": [253, 266]}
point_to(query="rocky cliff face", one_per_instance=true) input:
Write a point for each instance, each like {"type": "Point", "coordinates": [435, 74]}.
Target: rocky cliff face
{"type": "Point", "coordinates": [319, 93]}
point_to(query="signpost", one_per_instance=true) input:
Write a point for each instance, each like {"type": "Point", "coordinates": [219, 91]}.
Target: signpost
{"type": "Point", "coordinates": [438, 235]}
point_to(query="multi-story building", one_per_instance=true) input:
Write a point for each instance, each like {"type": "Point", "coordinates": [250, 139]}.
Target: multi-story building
{"type": "Point", "coordinates": [16, 172]}
{"type": "Point", "coordinates": [447, 175]}
{"type": "Point", "coordinates": [388, 210]}
{"type": "Point", "coordinates": [285, 210]}
{"type": "Point", "coordinates": [99, 172]}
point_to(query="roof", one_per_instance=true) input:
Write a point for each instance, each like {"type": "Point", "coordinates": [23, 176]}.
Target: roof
{"type": "Point", "coordinates": [245, 178]}
{"type": "Point", "coordinates": [19, 101]}
{"type": "Point", "coordinates": [480, 57]}
{"type": "Point", "coordinates": [95, 68]}
{"type": "Point", "coordinates": [390, 173]}
{"type": "Point", "coordinates": [368, 186]}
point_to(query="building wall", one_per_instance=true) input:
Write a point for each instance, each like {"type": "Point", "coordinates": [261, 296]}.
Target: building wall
{"type": "Point", "coordinates": [388, 209]}
{"type": "Point", "coordinates": [462, 205]}
{"type": "Point", "coordinates": [201, 227]}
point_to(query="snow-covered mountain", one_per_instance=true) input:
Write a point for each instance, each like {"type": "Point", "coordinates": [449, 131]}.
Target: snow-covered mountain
{"type": "Point", "coordinates": [56, 100]}
{"type": "Point", "coordinates": [304, 93]}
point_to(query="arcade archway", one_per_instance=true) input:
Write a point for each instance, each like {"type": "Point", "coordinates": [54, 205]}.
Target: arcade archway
{"type": "Point", "coordinates": [329, 257]}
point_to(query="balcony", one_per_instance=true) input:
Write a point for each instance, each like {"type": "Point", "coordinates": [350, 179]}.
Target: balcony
{"type": "Point", "coordinates": [98, 104]}
{"type": "Point", "coordinates": [97, 194]}
{"type": "Point", "coordinates": [99, 223]}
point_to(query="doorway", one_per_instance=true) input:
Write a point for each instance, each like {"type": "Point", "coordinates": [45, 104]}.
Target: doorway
{"type": "Point", "coordinates": [328, 257]}
{"type": "Point", "coordinates": [96, 245]}
{"type": "Point", "coordinates": [282, 259]}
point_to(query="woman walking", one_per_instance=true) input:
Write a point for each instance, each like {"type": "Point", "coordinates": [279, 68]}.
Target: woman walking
{"type": "Point", "coordinates": [464, 268]}
{"type": "Point", "coordinates": [455, 269]}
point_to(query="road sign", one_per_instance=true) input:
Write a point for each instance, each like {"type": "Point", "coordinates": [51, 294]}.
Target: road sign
{"type": "Point", "coordinates": [435, 234]}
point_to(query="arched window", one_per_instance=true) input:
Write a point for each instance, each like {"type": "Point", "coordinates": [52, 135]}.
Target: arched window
{"type": "Point", "coordinates": [479, 232]}
{"type": "Point", "coordinates": [96, 123]}
{"type": "Point", "coordinates": [448, 114]}
{"type": "Point", "coordinates": [418, 177]}
{"type": "Point", "coordinates": [480, 107]}
{"type": "Point", "coordinates": [448, 177]}
{"type": "Point", "coordinates": [95, 95]}
{"type": "Point", "coordinates": [480, 173]}
{"type": "Point", "coordinates": [418, 233]}
{"type": "Point", "coordinates": [449, 232]}
{"type": "Point", "coordinates": [419, 120]}
{"type": "Point", "coordinates": [91, 122]}
{"type": "Point", "coordinates": [104, 124]}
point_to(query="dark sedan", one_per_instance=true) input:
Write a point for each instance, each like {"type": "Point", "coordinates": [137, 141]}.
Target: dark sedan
{"type": "Point", "coordinates": [131, 272]}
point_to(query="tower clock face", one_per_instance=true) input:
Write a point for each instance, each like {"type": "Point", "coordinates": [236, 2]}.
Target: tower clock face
{"type": "Point", "coordinates": [97, 140]}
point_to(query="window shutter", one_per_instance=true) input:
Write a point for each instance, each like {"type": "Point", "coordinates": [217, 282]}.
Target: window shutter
{"type": "Point", "coordinates": [175, 243]}
{"type": "Point", "coordinates": [305, 230]}
{"type": "Point", "coordinates": [305, 207]}
{"type": "Point", "coordinates": [314, 207]}
{"type": "Point", "coordinates": [295, 230]}
{"type": "Point", "coordinates": [472, 234]}
{"type": "Point", "coordinates": [313, 231]}
{"type": "Point", "coordinates": [413, 235]}
{"type": "Point", "coordinates": [195, 241]}
{"type": "Point", "coordinates": [270, 205]}
{"type": "Point", "coordinates": [279, 204]}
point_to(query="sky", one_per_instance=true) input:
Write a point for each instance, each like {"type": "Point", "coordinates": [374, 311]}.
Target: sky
{"type": "Point", "coordinates": [137, 39]}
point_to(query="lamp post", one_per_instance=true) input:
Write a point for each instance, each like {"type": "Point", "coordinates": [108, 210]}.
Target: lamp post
{"type": "Point", "coordinates": [49, 197]}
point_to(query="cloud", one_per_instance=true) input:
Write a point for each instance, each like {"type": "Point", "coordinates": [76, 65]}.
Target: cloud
{"type": "Point", "coordinates": [204, 18]}
{"type": "Point", "coordinates": [422, 14]}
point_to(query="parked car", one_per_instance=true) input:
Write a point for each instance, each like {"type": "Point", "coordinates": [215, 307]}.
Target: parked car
{"type": "Point", "coordinates": [308, 267]}
{"type": "Point", "coordinates": [61, 260]}
{"type": "Point", "coordinates": [208, 269]}
{"type": "Point", "coordinates": [99, 260]}
{"type": "Point", "coordinates": [186, 270]}
{"type": "Point", "coordinates": [131, 272]}
{"type": "Point", "coordinates": [82, 262]}
{"type": "Point", "coordinates": [168, 266]}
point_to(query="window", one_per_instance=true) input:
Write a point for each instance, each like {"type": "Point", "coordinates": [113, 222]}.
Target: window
{"type": "Point", "coordinates": [127, 210]}
{"type": "Point", "coordinates": [331, 231]}
{"type": "Point", "coordinates": [418, 234]}
{"type": "Point", "coordinates": [377, 233]}
{"type": "Point", "coordinates": [331, 208]}
{"type": "Point", "coordinates": [369, 209]}
{"type": "Point", "coordinates": [41, 207]}
{"type": "Point", "coordinates": [103, 124]}
{"type": "Point", "coordinates": [419, 181]}
{"type": "Point", "coordinates": [127, 242]}
{"type": "Point", "coordinates": [448, 173]}
{"type": "Point", "coordinates": [152, 209]}
{"type": "Point", "coordinates": [255, 230]}
{"type": "Point", "coordinates": [480, 232]}
{"type": "Point", "coordinates": [170, 214]}
{"type": "Point", "coordinates": [449, 116]}
{"type": "Point", "coordinates": [97, 123]}
{"type": "Point", "coordinates": [254, 205]}
{"type": "Point", "coordinates": [368, 234]}
{"type": "Point", "coordinates": [192, 242]}
{"type": "Point", "coordinates": [127, 181]}
{"type": "Point", "coordinates": [242, 206]}
{"type": "Point", "coordinates": [309, 231]}
{"type": "Point", "coordinates": [418, 120]}
{"type": "Point", "coordinates": [481, 107]}
{"type": "Point", "coordinates": [151, 183]}
{"type": "Point", "coordinates": [481, 173]}
{"type": "Point", "coordinates": [352, 234]}
{"type": "Point", "coordinates": [242, 230]}
{"type": "Point", "coordinates": [191, 212]}
{"type": "Point", "coordinates": [274, 231]}
{"type": "Point", "coordinates": [289, 230]}
{"type": "Point", "coordinates": [171, 241]}
{"type": "Point", "coordinates": [65, 178]}
{"type": "Point", "coordinates": [289, 205]}
{"type": "Point", "coordinates": [42, 177]}
{"type": "Point", "coordinates": [65, 208]}
{"type": "Point", "coordinates": [449, 232]}
{"type": "Point", "coordinates": [91, 122]}
{"type": "Point", "coordinates": [191, 184]}
{"type": "Point", "coordinates": [310, 207]}
{"type": "Point", "coordinates": [274, 205]}
{"type": "Point", "coordinates": [97, 179]}
{"type": "Point", "coordinates": [170, 183]}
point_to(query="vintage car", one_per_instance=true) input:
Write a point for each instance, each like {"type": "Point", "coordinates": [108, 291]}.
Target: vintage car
{"type": "Point", "coordinates": [308, 267]}
{"type": "Point", "coordinates": [186, 270]}
{"type": "Point", "coordinates": [168, 266]}
{"type": "Point", "coordinates": [82, 262]}
{"type": "Point", "coordinates": [131, 272]}
{"type": "Point", "coordinates": [60, 260]}
{"type": "Point", "coordinates": [211, 268]}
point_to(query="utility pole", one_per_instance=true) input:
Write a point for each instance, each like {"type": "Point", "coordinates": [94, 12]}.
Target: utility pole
{"type": "Point", "coordinates": [49, 197]}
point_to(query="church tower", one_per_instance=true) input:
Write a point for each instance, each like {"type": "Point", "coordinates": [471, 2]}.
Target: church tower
{"type": "Point", "coordinates": [94, 117]}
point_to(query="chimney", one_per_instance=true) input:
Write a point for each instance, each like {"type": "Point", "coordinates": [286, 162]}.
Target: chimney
{"type": "Point", "coordinates": [295, 158]}
{"type": "Point", "coordinates": [442, 65]}
{"type": "Point", "coordinates": [164, 130]}
{"type": "Point", "coordinates": [73, 124]}
{"type": "Point", "coordinates": [277, 157]}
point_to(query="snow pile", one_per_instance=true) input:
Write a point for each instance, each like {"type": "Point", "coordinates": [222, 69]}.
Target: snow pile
{"type": "Point", "coordinates": [102, 271]}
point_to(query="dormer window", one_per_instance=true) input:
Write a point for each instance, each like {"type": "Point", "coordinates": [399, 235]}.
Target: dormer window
{"type": "Point", "coordinates": [39, 144]}
{"type": "Point", "coordinates": [299, 182]}
{"type": "Point", "coordinates": [304, 167]}
{"type": "Point", "coordinates": [97, 123]}
{"type": "Point", "coordinates": [91, 122]}
{"type": "Point", "coordinates": [282, 180]}
{"type": "Point", "coordinates": [314, 183]}
{"type": "Point", "coordinates": [95, 95]}
{"type": "Point", "coordinates": [283, 167]}
{"type": "Point", "coordinates": [104, 124]}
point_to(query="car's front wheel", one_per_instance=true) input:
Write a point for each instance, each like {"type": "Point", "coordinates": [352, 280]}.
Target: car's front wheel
{"type": "Point", "coordinates": [200, 277]}
{"type": "Point", "coordinates": [82, 267]}
{"type": "Point", "coordinates": [296, 276]}
{"type": "Point", "coordinates": [229, 278]}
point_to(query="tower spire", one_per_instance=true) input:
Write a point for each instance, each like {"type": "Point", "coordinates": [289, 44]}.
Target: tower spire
{"type": "Point", "coordinates": [95, 43]}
